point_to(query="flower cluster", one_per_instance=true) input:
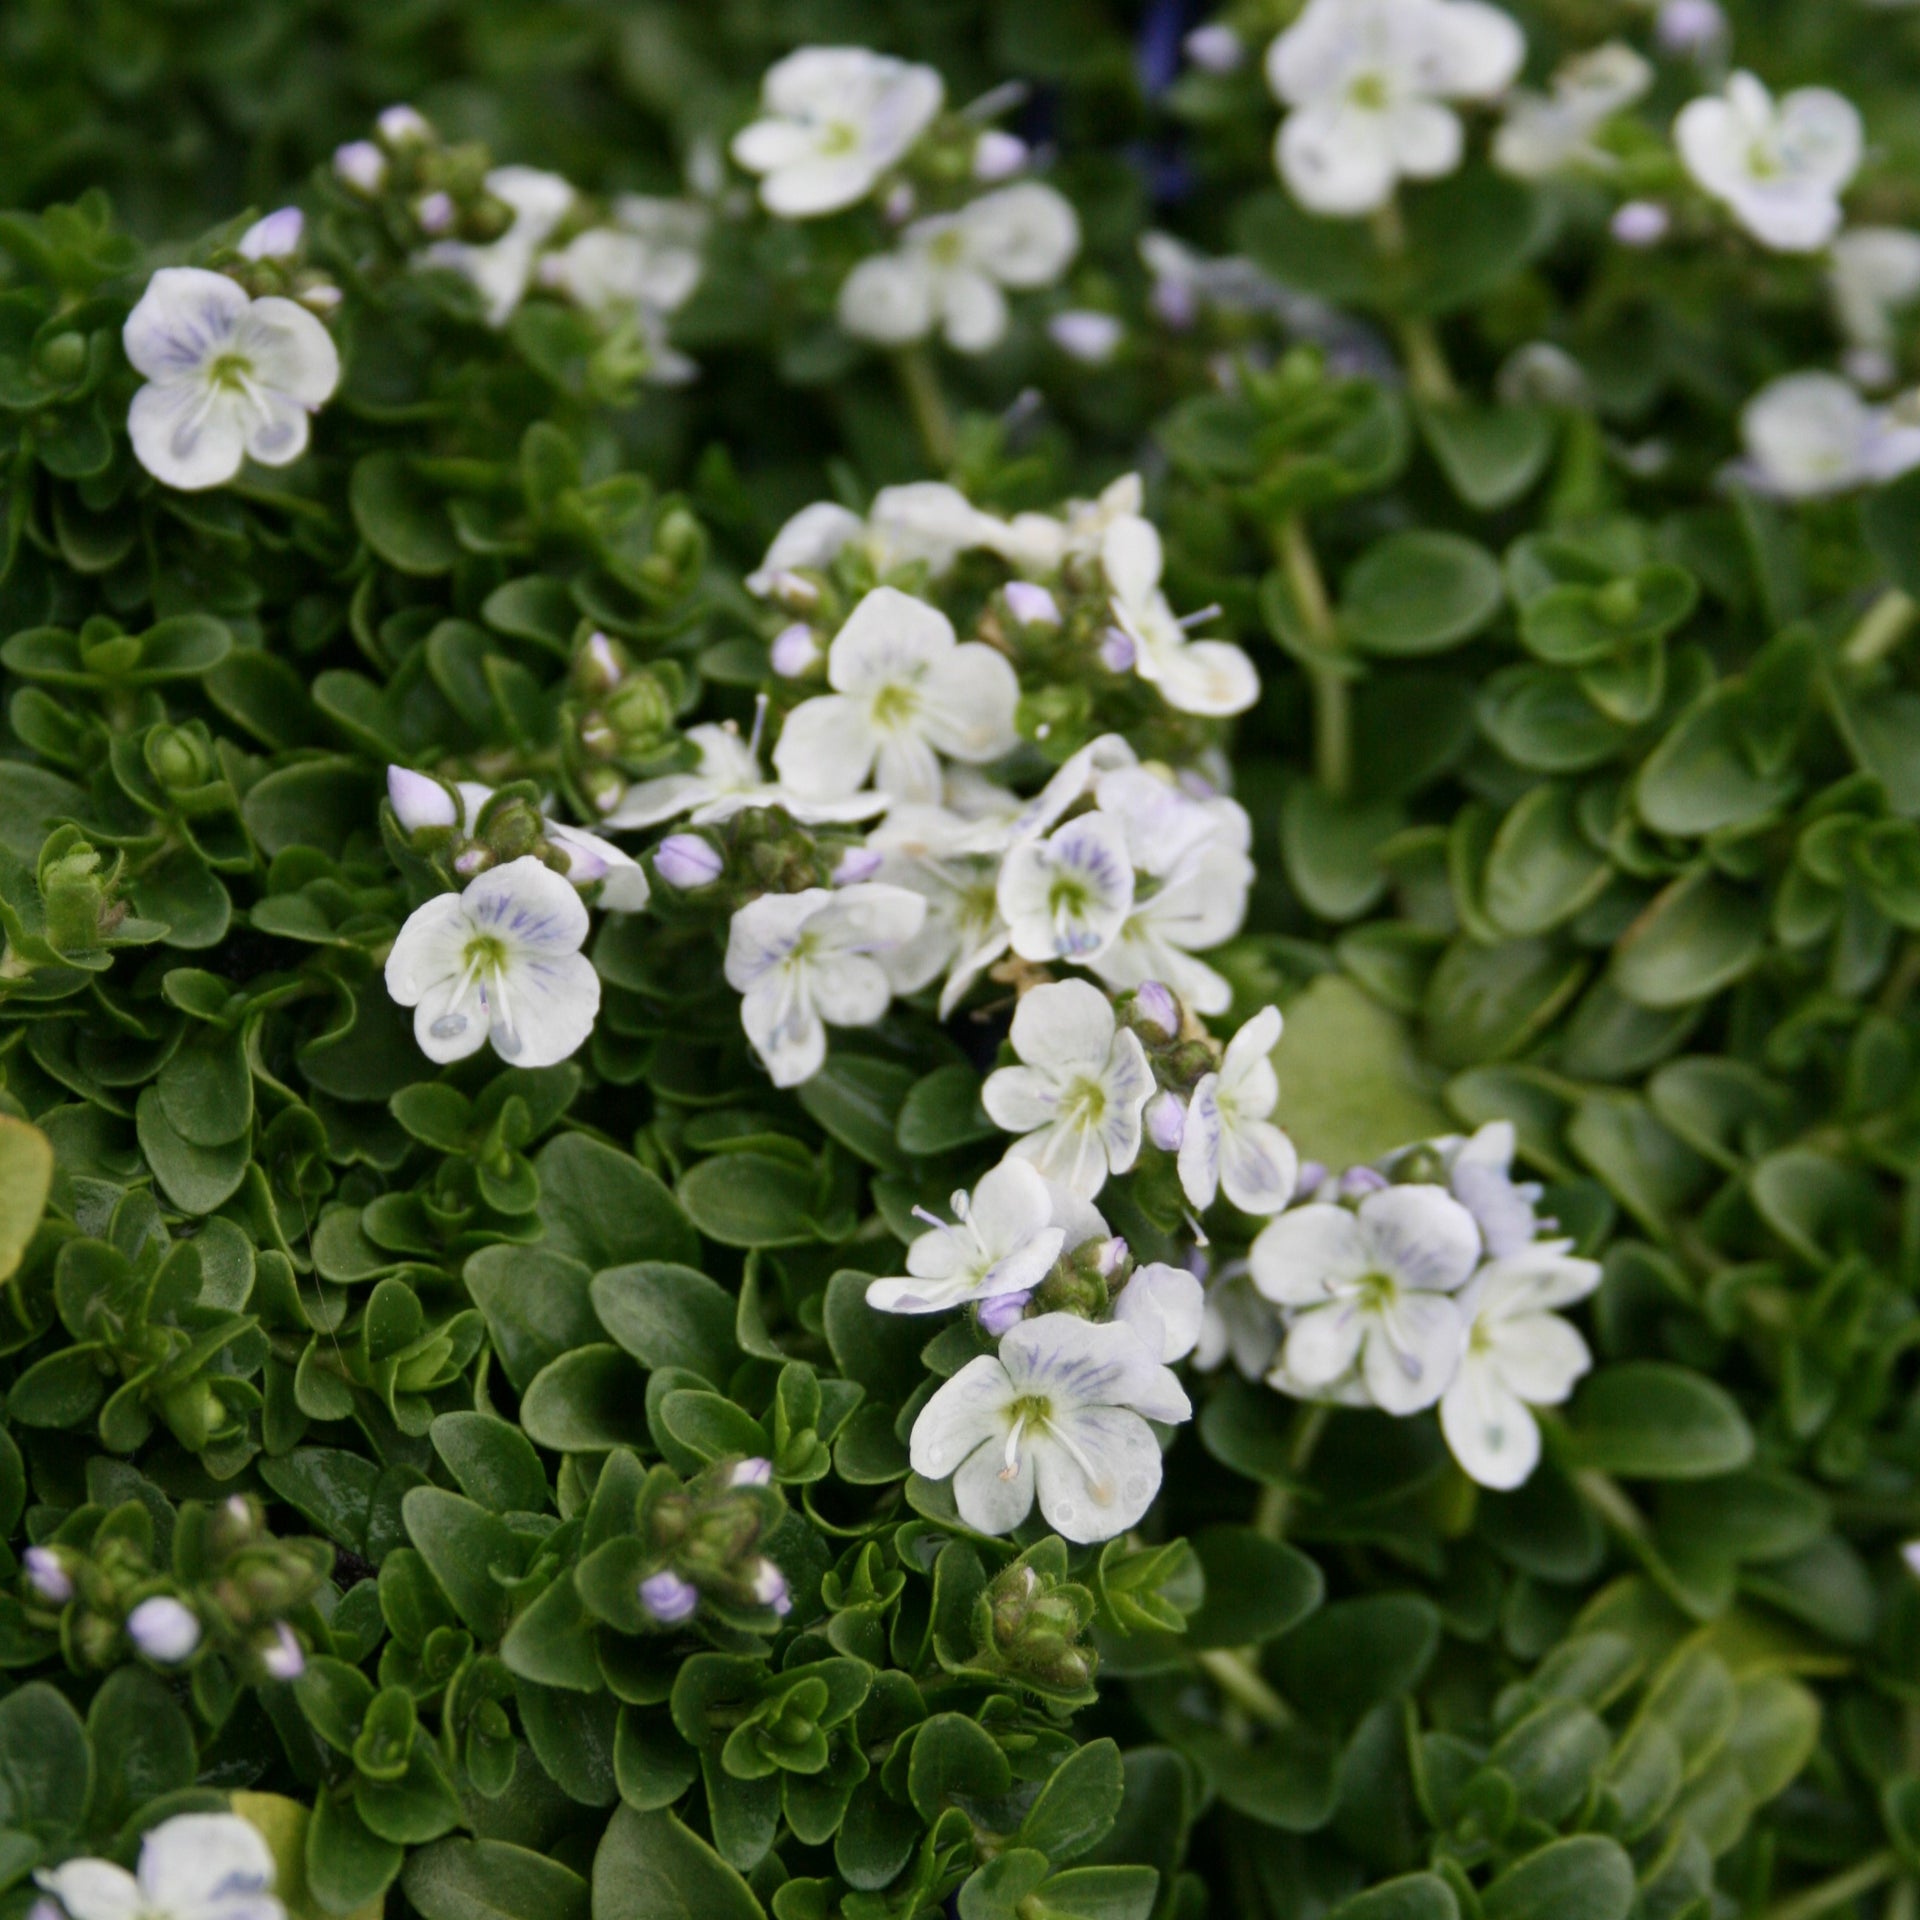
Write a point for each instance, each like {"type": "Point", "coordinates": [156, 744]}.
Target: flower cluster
{"type": "Point", "coordinates": [840, 127]}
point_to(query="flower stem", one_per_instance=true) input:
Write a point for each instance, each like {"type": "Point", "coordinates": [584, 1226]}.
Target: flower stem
{"type": "Point", "coordinates": [1608, 1498]}
{"type": "Point", "coordinates": [1428, 373]}
{"type": "Point", "coordinates": [921, 386]}
{"type": "Point", "coordinates": [1242, 1682]}
{"type": "Point", "coordinates": [1276, 1502]}
{"type": "Point", "coordinates": [1884, 625]}
{"type": "Point", "coordinates": [1839, 1891]}
{"type": "Point", "coordinates": [1332, 697]}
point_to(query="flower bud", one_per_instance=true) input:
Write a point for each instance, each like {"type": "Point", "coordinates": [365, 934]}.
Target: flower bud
{"type": "Point", "coordinates": [360, 165]}
{"type": "Point", "coordinates": [1166, 1120]}
{"type": "Point", "coordinates": [998, 155]}
{"type": "Point", "coordinates": [770, 1587]}
{"type": "Point", "coordinates": [1357, 1182]}
{"type": "Point", "coordinates": [275, 237]}
{"type": "Point", "coordinates": [1086, 335]}
{"type": "Point", "coordinates": [1155, 1008]}
{"type": "Point", "coordinates": [319, 296]}
{"type": "Point", "coordinates": [599, 666]}
{"type": "Point", "coordinates": [1641, 223]}
{"type": "Point", "coordinates": [283, 1657]}
{"type": "Point", "coordinates": [419, 800]}
{"type": "Point", "coordinates": [1003, 1311]}
{"type": "Point", "coordinates": [668, 1598]}
{"type": "Point", "coordinates": [472, 860]}
{"type": "Point", "coordinates": [751, 1473]}
{"type": "Point", "coordinates": [177, 759]}
{"type": "Point", "coordinates": [794, 650]}
{"type": "Point", "coordinates": [47, 1575]}
{"type": "Point", "coordinates": [1030, 604]}
{"type": "Point", "coordinates": [640, 710]}
{"type": "Point", "coordinates": [403, 126]}
{"type": "Point", "coordinates": [435, 213]}
{"type": "Point", "coordinates": [1117, 651]}
{"type": "Point", "coordinates": [898, 206]}
{"type": "Point", "coordinates": [1690, 26]}
{"type": "Point", "coordinates": [686, 861]}
{"type": "Point", "coordinates": [1110, 1256]}
{"type": "Point", "coordinates": [1215, 48]}
{"type": "Point", "coordinates": [164, 1630]}
{"type": "Point", "coordinates": [856, 864]}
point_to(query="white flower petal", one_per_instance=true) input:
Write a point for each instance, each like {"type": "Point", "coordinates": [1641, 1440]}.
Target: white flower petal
{"type": "Point", "coordinates": [1411, 1351]}
{"type": "Point", "coordinates": [1421, 1236]}
{"type": "Point", "coordinates": [1492, 1435]}
{"type": "Point", "coordinates": [1323, 1344]}
{"type": "Point", "coordinates": [967, 1412]}
{"type": "Point", "coordinates": [991, 1498]}
{"type": "Point", "coordinates": [826, 747]}
{"type": "Point", "coordinates": [186, 318]}
{"type": "Point", "coordinates": [1125, 1458]}
{"type": "Point", "coordinates": [1302, 1254]}
{"type": "Point", "coordinates": [1064, 1028]}
{"type": "Point", "coordinates": [185, 437]}
{"type": "Point", "coordinates": [1164, 1307]}
{"type": "Point", "coordinates": [1258, 1166]}
{"type": "Point", "coordinates": [194, 1859]}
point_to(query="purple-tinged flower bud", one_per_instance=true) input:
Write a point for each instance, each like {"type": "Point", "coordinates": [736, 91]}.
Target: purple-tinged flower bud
{"type": "Point", "coordinates": [1155, 1004]}
{"type": "Point", "coordinates": [1117, 651]}
{"type": "Point", "coordinates": [164, 1630]}
{"type": "Point", "coordinates": [770, 1587]}
{"type": "Point", "coordinates": [276, 237]}
{"type": "Point", "coordinates": [1313, 1175]}
{"type": "Point", "coordinates": [794, 650]}
{"type": "Point", "coordinates": [435, 212]}
{"type": "Point", "coordinates": [669, 1598]}
{"type": "Point", "coordinates": [998, 155]}
{"type": "Point", "coordinates": [1175, 304]}
{"type": "Point", "coordinates": [1166, 1119]}
{"type": "Point", "coordinates": [321, 297]}
{"type": "Point", "coordinates": [857, 864]}
{"type": "Point", "coordinates": [1910, 1553]}
{"type": "Point", "coordinates": [47, 1575]}
{"type": "Point", "coordinates": [1086, 335]}
{"type": "Point", "coordinates": [400, 126]}
{"type": "Point", "coordinates": [1215, 48]}
{"type": "Point", "coordinates": [1003, 1311]}
{"type": "Point", "coordinates": [1690, 26]}
{"type": "Point", "coordinates": [684, 860]}
{"type": "Point", "coordinates": [284, 1658]}
{"type": "Point", "coordinates": [1641, 223]}
{"type": "Point", "coordinates": [897, 208]}
{"type": "Point", "coordinates": [794, 591]}
{"type": "Point", "coordinates": [419, 800]}
{"type": "Point", "coordinates": [1032, 605]}
{"type": "Point", "coordinates": [751, 1473]}
{"type": "Point", "coordinates": [1107, 1261]}
{"type": "Point", "coordinates": [472, 860]}
{"type": "Point", "coordinates": [360, 165]}
{"type": "Point", "coordinates": [1357, 1182]}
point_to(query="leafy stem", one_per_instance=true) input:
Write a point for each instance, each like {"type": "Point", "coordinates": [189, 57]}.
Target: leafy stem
{"type": "Point", "coordinates": [925, 398]}
{"type": "Point", "coordinates": [1840, 1891]}
{"type": "Point", "coordinates": [1332, 696]}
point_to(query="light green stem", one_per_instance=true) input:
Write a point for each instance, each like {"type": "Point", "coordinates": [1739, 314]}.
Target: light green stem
{"type": "Point", "coordinates": [1276, 1502]}
{"type": "Point", "coordinates": [1839, 1891]}
{"type": "Point", "coordinates": [1242, 1682]}
{"type": "Point", "coordinates": [1883, 626]}
{"type": "Point", "coordinates": [1332, 696]}
{"type": "Point", "coordinates": [926, 400]}
{"type": "Point", "coordinates": [1606, 1496]}
{"type": "Point", "coordinates": [1428, 373]}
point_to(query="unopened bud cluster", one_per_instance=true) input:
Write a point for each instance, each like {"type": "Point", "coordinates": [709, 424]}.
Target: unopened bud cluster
{"type": "Point", "coordinates": [707, 1542]}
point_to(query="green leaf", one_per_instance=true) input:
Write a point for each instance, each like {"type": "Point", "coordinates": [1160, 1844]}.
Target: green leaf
{"type": "Point", "coordinates": [1490, 456]}
{"type": "Point", "coordinates": [668, 1316]}
{"type": "Point", "coordinates": [466, 1547]}
{"type": "Point", "coordinates": [1078, 1803]}
{"type": "Point", "coordinates": [750, 1200]}
{"type": "Point", "coordinates": [492, 1461]}
{"type": "Point", "coordinates": [650, 1867]}
{"type": "Point", "coordinates": [399, 515]}
{"type": "Point", "coordinates": [46, 1768]}
{"type": "Point", "coordinates": [604, 1209]}
{"type": "Point", "coordinates": [492, 1880]}
{"type": "Point", "coordinates": [26, 1177]}
{"type": "Point", "coordinates": [1352, 1087]}
{"type": "Point", "coordinates": [1414, 1896]}
{"type": "Point", "coordinates": [1647, 1419]}
{"type": "Point", "coordinates": [1585, 1878]}
{"type": "Point", "coordinates": [1420, 592]}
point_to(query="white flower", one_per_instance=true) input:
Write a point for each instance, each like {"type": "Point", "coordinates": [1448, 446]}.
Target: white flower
{"type": "Point", "coordinates": [1005, 1240]}
{"type": "Point", "coordinates": [903, 694]}
{"type": "Point", "coordinates": [164, 1629]}
{"type": "Point", "coordinates": [1812, 434]}
{"type": "Point", "coordinates": [503, 269]}
{"type": "Point", "coordinates": [501, 961]}
{"type": "Point", "coordinates": [923, 848]}
{"type": "Point", "coordinates": [1077, 1095]}
{"type": "Point", "coordinates": [726, 779]}
{"type": "Point", "coordinates": [196, 1866]}
{"type": "Point", "coordinates": [952, 271]}
{"type": "Point", "coordinates": [1691, 26]}
{"type": "Point", "coordinates": [1067, 897]}
{"type": "Point", "coordinates": [650, 257]}
{"type": "Point", "coordinates": [1545, 134]}
{"type": "Point", "coordinates": [1780, 168]}
{"type": "Point", "coordinates": [1192, 877]}
{"type": "Point", "coordinates": [1872, 273]}
{"type": "Point", "coordinates": [1210, 677]}
{"type": "Point", "coordinates": [1087, 335]}
{"type": "Point", "coordinates": [360, 165]}
{"type": "Point", "coordinates": [1480, 1177]}
{"type": "Point", "coordinates": [1059, 1413]}
{"type": "Point", "coordinates": [1518, 1354]}
{"type": "Point", "coordinates": [1372, 1286]}
{"type": "Point", "coordinates": [805, 961]}
{"type": "Point", "coordinates": [590, 859]}
{"type": "Point", "coordinates": [228, 378]}
{"type": "Point", "coordinates": [275, 236]}
{"type": "Point", "coordinates": [1239, 1324]}
{"type": "Point", "coordinates": [1228, 1141]}
{"type": "Point", "coordinates": [1367, 81]}
{"type": "Point", "coordinates": [1215, 48]}
{"type": "Point", "coordinates": [1165, 1307]}
{"type": "Point", "coordinates": [812, 539]}
{"type": "Point", "coordinates": [924, 523]}
{"type": "Point", "coordinates": [834, 120]}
